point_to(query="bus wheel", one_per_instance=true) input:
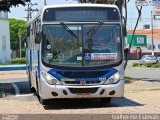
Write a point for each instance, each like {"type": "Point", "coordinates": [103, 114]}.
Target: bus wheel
{"type": "Point", "coordinates": [32, 89]}
{"type": "Point", "coordinates": [43, 102]}
{"type": "Point", "coordinates": [106, 100]}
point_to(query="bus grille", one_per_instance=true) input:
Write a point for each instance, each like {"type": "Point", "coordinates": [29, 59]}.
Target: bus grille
{"type": "Point", "coordinates": [83, 90]}
{"type": "Point", "coordinates": [78, 82]}
{"type": "Point", "coordinates": [92, 74]}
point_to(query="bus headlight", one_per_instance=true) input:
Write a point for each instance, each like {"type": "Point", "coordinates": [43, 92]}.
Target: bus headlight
{"type": "Point", "coordinates": [50, 79]}
{"type": "Point", "coordinates": [113, 79]}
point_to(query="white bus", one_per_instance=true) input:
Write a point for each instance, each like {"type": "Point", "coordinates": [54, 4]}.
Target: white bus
{"type": "Point", "coordinates": [76, 51]}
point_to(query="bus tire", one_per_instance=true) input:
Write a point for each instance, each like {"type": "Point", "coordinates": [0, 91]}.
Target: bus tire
{"type": "Point", "coordinates": [32, 89]}
{"type": "Point", "coordinates": [43, 102]}
{"type": "Point", "coordinates": [106, 100]}
{"type": "Point", "coordinates": [37, 86]}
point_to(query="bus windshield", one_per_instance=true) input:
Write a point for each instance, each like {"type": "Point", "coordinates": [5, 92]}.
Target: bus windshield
{"type": "Point", "coordinates": [86, 45]}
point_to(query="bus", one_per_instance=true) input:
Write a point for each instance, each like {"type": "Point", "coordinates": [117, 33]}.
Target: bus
{"type": "Point", "coordinates": [76, 51]}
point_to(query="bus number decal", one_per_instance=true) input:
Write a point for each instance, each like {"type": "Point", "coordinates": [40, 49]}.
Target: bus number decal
{"type": "Point", "coordinates": [100, 56]}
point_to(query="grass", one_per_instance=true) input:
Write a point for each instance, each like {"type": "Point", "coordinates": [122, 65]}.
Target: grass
{"type": "Point", "coordinates": [147, 65]}
{"type": "Point", "coordinates": [128, 78]}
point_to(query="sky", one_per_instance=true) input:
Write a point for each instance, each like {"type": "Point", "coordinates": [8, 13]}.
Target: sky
{"type": "Point", "coordinates": [20, 13]}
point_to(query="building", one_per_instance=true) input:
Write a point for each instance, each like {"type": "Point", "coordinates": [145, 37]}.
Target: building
{"type": "Point", "coordinates": [5, 51]}
{"type": "Point", "coordinates": [148, 48]}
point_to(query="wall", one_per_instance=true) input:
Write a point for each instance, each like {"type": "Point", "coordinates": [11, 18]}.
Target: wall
{"type": "Point", "coordinates": [146, 50]}
{"type": "Point", "coordinates": [5, 51]}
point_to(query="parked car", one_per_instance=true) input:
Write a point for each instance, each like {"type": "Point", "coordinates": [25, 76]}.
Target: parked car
{"type": "Point", "coordinates": [158, 58]}
{"type": "Point", "coordinates": [148, 59]}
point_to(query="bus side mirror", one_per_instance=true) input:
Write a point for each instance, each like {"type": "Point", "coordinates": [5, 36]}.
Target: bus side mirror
{"type": "Point", "coordinates": [126, 50]}
{"type": "Point", "coordinates": [38, 38]}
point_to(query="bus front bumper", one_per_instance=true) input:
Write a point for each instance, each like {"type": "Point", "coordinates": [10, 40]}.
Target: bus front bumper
{"type": "Point", "coordinates": [47, 91]}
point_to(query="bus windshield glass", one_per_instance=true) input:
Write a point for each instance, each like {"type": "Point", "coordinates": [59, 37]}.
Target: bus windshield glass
{"type": "Point", "coordinates": [86, 45]}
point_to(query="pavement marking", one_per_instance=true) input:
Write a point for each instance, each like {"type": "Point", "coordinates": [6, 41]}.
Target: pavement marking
{"type": "Point", "coordinates": [17, 92]}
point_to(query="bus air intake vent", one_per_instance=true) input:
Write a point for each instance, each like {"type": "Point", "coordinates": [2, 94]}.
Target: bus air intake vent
{"type": "Point", "coordinates": [91, 74]}
{"type": "Point", "coordinates": [83, 90]}
{"type": "Point", "coordinates": [87, 82]}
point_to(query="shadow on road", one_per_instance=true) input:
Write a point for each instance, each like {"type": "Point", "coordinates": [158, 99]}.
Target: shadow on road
{"type": "Point", "coordinates": [129, 81]}
{"type": "Point", "coordinates": [148, 79]}
{"type": "Point", "coordinates": [23, 88]}
{"type": "Point", "coordinates": [59, 104]}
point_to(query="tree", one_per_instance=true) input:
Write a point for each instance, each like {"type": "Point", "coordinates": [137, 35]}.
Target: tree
{"type": "Point", "coordinates": [119, 3]}
{"type": "Point", "coordinates": [98, 1]}
{"type": "Point", "coordinates": [16, 27]}
{"type": "Point", "coordinates": [5, 5]}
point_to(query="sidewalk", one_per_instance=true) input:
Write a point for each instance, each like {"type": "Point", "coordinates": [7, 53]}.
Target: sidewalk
{"type": "Point", "coordinates": [9, 76]}
{"type": "Point", "coordinates": [140, 85]}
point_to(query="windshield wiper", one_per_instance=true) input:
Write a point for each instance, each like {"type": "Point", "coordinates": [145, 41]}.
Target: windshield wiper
{"type": "Point", "coordinates": [69, 30]}
{"type": "Point", "coordinates": [92, 32]}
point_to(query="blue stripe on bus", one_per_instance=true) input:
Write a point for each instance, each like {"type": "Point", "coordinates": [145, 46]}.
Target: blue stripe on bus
{"type": "Point", "coordinates": [109, 73]}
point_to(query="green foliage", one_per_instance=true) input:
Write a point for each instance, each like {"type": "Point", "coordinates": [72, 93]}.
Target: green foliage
{"type": "Point", "coordinates": [5, 5]}
{"type": "Point", "coordinates": [148, 64]}
{"type": "Point", "coordinates": [17, 28]}
{"type": "Point", "coordinates": [18, 61]}
{"type": "Point", "coordinates": [156, 65]}
{"type": "Point", "coordinates": [136, 64]}
{"type": "Point", "coordinates": [128, 78]}
{"type": "Point", "coordinates": [98, 1]}
{"type": "Point", "coordinates": [107, 1]}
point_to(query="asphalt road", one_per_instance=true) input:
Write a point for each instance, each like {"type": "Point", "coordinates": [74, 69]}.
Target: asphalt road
{"type": "Point", "coordinates": [10, 82]}
{"type": "Point", "coordinates": [19, 100]}
{"type": "Point", "coordinates": [143, 74]}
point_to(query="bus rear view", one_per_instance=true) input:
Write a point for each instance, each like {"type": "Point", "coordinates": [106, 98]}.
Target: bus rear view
{"type": "Point", "coordinates": [78, 53]}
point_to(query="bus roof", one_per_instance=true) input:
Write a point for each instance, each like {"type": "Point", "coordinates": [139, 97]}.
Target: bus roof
{"type": "Point", "coordinates": [72, 5]}
{"type": "Point", "coordinates": [79, 5]}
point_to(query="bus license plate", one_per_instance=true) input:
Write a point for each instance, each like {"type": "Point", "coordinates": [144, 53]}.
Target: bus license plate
{"type": "Point", "coordinates": [83, 95]}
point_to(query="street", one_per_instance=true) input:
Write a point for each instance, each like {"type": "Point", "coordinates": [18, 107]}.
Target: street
{"type": "Point", "coordinates": [138, 98]}
{"type": "Point", "coordinates": [143, 74]}
{"type": "Point", "coordinates": [79, 49]}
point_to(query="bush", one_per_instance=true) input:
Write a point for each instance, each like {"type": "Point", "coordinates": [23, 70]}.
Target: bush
{"type": "Point", "coordinates": [148, 64]}
{"type": "Point", "coordinates": [156, 65]}
{"type": "Point", "coordinates": [136, 64]}
{"type": "Point", "coordinates": [18, 61]}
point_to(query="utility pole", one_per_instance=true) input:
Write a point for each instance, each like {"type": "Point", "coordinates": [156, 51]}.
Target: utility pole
{"type": "Point", "coordinates": [45, 2]}
{"type": "Point", "coordinates": [30, 10]}
{"type": "Point", "coordinates": [152, 33]}
{"type": "Point", "coordinates": [119, 3]}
